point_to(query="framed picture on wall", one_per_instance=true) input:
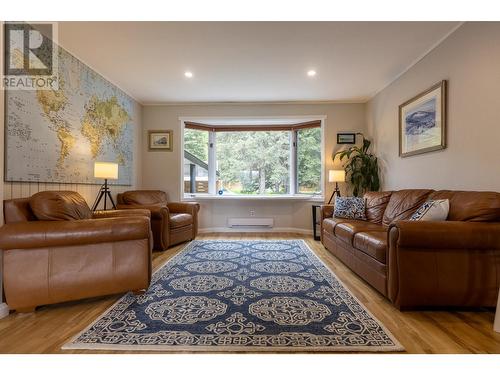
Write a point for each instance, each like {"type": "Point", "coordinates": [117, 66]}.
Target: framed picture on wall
{"type": "Point", "coordinates": [160, 140]}
{"type": "Point", "coordinates": [346, 138]}
{"type": "Point", "coordinates": [422, 122]}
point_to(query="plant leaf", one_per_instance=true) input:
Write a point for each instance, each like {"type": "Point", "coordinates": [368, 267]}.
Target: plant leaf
{"type": "Point", "coordinates": [361, 167]}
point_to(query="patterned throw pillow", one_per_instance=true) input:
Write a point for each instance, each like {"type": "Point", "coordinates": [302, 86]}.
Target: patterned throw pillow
{"type": "Point", "coordinates": [432, 210]}
{"type": "Point", "coordinates": [350, 208]}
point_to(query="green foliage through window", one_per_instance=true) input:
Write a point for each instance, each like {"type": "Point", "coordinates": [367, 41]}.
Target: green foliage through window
{"type": "Point", "coordinates": [196, 143]}
{"type": "Point", "coordinates": [309, 160]}
{"type": "Point", "coordinates": [254, 162]}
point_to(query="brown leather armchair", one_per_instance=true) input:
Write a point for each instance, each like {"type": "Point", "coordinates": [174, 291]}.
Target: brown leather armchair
{"type": "Point", "coordinates": [171, 222]}
{"type": "Point", "coordinates": [55, 250]}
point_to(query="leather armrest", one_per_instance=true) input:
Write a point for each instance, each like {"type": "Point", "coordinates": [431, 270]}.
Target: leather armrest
{"type": "Point", "coordinates": [122, 213]}
{"type": "Point", "coordinates": [156, 212]}
{"type": "Point", "coordinates": [445, 235]}
{"type": "Point", "coordinates": [327, 211]}
{"type": "Point", "coordinates": [159, 213]}
{"type": "Point", "coordinates": [445, 263]}
{"type": "Point", "coordinates": [36, 234]}
{"type": "Point", "coordinates": [184, 207]}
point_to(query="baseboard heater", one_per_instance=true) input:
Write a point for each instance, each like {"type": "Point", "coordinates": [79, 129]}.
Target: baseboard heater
{"type": "Point", "coordinates": [250, 222]}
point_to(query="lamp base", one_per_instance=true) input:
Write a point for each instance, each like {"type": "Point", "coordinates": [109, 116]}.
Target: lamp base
{"type": "Point", "coordinates": [105, 192]}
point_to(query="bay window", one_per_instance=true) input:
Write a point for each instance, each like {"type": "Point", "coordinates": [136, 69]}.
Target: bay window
{"type": "Point", "coordinates": [259, 160]}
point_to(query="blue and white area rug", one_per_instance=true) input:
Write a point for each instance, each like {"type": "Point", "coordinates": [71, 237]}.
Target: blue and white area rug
{"type": "Point", "coordinates": [240, 296]}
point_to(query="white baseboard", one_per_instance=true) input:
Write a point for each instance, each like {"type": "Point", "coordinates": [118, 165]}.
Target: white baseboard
{"type": "Point", "coordinates": [257, 230]}
{"type": "Point", "coordinates": [4, 310]}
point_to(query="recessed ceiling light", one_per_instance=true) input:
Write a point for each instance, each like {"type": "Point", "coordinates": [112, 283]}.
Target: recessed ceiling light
{"type": "Point", "coordinates": [311, 73]}
{"type": "Point", "coordinates": [188, 74]}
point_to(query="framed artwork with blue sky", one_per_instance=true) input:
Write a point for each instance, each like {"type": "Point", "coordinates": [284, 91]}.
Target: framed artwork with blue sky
{"type": "Point", "coordinates": [422, 122]}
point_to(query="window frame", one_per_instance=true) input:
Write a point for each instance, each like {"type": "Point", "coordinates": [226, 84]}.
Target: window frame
{"type": "Point", "coordinates": [249, 121]}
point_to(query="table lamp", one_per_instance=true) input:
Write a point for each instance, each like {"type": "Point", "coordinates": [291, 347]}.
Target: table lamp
{"type": "Point", "coordinates": [108, 171]}
{"type": "Point", "coordinates": [336, 175]}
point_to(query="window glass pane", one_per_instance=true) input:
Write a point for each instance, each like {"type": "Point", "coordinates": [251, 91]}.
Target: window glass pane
{"type": "Point", "coordinates": [309, 161]}
{"type": "Point", "coordinates": [195, 161]}
{"type": "Point", "coordinates": [253, 162]}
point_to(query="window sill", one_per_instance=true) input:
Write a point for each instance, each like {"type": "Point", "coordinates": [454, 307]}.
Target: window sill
{"type": "Point", "coordinates": [203, 197]}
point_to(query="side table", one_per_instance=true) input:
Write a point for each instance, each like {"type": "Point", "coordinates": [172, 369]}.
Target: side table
{"type": "Point", "coordinates": [315, 221]}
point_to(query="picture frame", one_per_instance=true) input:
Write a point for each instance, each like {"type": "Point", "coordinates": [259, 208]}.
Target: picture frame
{"type": "Point", "coordinates": [422, 122]}
{"type": "Point", "coordinates": [346, 138]}
{"type": "Point", "coordinates": [160, 140]}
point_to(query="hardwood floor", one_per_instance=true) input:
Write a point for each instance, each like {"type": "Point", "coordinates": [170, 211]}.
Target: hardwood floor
{"type": "Point", "coordinates": [47, 329]}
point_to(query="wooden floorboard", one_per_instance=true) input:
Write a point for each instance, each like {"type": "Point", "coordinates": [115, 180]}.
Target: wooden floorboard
{"type": "Point", "coordinates": [47, 329]}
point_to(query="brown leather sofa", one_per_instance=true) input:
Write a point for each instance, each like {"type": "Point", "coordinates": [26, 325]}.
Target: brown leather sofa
{"type": "Point", "coordinates": [421, 263]}
{"type": "Point", "coordinates": [55, 249]}
{"type": "Point", "coordinates": [171, 222]}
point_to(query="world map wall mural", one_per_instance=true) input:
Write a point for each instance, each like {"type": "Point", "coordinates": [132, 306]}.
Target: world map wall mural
{"type": "Point", "coordinates": [57, 135]}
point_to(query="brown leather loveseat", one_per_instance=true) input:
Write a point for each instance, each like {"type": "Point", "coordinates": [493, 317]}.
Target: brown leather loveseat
{"type": "Point", "coordinates": [55, 249]}
{"type": "Point", "coordinates": [171, 222]}
{"type": "Point", "coordinates": [422, 263]}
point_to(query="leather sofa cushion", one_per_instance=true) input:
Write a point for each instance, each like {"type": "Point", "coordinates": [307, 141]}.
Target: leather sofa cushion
{"type": "Point", "coordinates": [330, 223]}
{"type": "Point", "coordinates": [376, 203]}
{"type": "Point", "coordinates": [373, 244]}
{"type": "Point", "coordinates": [471, 205]}
{"type": "Point", "coordinates": [346, 230]}
{"type": "Point", "coordinates": [180, 220]}
{"type": "Point", "coordinates": [403, 204]}
{"type": "Point", "coordinates": [59, 205]}
{"type": "Point", "coordinates": [145, 197]}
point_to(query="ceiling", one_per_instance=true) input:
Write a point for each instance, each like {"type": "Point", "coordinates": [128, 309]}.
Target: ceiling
{"type": "Point", "coordinates": [251, 61]}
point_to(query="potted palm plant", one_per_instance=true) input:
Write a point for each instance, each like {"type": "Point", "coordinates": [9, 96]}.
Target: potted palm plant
{"type": "Point", "coordinates": [361, 167]}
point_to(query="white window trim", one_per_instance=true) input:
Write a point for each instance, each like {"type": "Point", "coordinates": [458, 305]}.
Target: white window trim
{"type": "Point", "coordinates": [212, 168]}
{"type": "Point", "coordinates": [249, 120]}
{"type": "Point", "coordinates": [293, 163]}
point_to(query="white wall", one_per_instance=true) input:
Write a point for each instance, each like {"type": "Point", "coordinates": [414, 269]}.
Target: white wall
{"type": "Point", "coordinates": [162, 170]}
{"type": "Point", "coordinates": [469, 60]}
